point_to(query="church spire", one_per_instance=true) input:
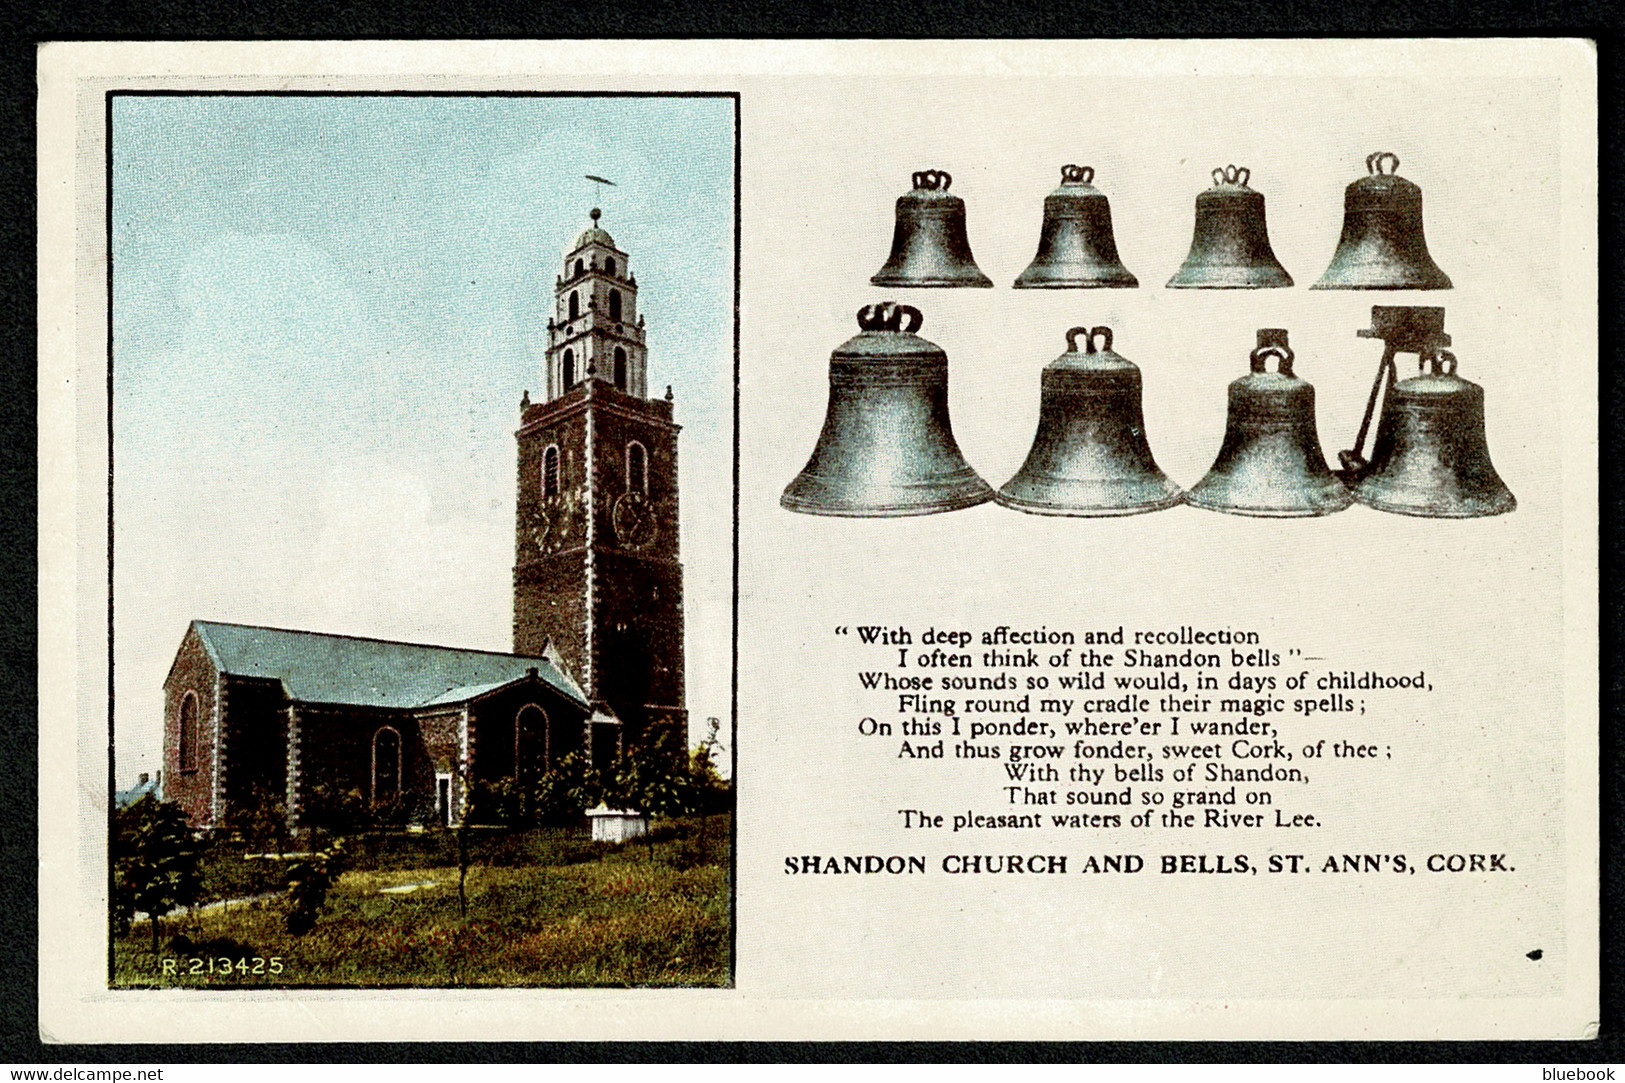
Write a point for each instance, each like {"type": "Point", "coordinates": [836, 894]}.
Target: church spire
{"type": "Point", "coordinates": [595, 332]}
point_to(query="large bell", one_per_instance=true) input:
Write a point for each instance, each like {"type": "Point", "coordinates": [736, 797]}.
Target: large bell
{"type": "Point", "coordinates": [1230, 248]}
{"type": "Point", "coordinates": [1430, 457]}
{"type": "Point", "coordinates": [1382, 246]}
{"type": "Point", "coordinates": [929, 246]}
{"type": "Point", "coordinates": [1090, 456]}
{"type": "Point", "coordinates": [887, 447]}
{"type": "Point", "coordinates": [1270, 463]}
{"type": "Point", "coordinates": [1076, 247]}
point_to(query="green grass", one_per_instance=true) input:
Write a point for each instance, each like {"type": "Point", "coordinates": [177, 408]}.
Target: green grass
{"type": "Point", "coordinates": [541, 911]}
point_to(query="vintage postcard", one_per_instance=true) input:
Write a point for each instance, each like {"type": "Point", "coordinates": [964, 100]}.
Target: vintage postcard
{"type": "Point", "coordinates": [818, 540]}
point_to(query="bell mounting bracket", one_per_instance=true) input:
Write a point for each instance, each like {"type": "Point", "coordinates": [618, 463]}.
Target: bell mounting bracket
{"type": "Point", "coordinates": [1237, 175]}
{"type": "Point", "coordinates": [1272, 343]}
{"type": "Point", "coordinates": [1417, 329]}
{"type": "Point", "coordinates": [1077, 174]}
{"type": "Point", "coordinates": [933, 179]}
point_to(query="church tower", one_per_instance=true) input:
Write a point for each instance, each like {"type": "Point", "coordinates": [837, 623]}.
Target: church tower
{"type": "Point", "coordinates": [596, 567]}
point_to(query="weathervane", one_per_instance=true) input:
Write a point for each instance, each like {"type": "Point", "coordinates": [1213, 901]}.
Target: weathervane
{"type": "Point", "coordinates": [598, 191]}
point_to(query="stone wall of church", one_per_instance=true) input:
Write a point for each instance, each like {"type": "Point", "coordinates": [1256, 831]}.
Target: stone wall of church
{"type": "Point", "coordinates": [494, 742]}
{"type": "Point", "coordinates": [254, 767]}
{"type": "Point", "coordinates": [336, 767]}
{"type": "Point", "coordinates": [550, 566]}
{"type": "Point", "coordinates": [639, 647]}
{"type": "Point", "coordinates": [191, 786]}
{"type": "Point", "coordinates": [612, 435]}
{"type": "Point", "coordinates": [549, 606]}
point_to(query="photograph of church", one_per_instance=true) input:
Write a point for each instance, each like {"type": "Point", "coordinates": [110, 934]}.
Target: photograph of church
{"type": "Point", "coordinates": [421, 627]}
{"type": "Point", "coordinates": [253, 712]}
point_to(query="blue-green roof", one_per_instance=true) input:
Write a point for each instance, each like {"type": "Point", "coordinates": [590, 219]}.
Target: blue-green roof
{"type": "Point", "coordinates": [315, 667]}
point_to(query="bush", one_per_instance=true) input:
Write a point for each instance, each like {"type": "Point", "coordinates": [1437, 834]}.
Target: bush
{"type": "Point", "coordinates": [260, 821]}
{"type": "Point", "coordinates": [308, 884]}
{"type": "Point", "coordinates": [155, 863]}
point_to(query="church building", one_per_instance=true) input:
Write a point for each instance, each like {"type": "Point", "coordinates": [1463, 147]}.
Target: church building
{"type": "Point", "coordinates": [258, 715]}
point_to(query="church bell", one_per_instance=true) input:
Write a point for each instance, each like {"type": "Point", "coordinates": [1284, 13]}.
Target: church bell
{"type": "Point", "coordinates": [1430, 456]}
{"type": "Point", "coordinates": [1076, 247]}
{"type": "Point", "coordinates": [1090, 456]}
{"type": "Point", "coordinates": [1230, 248]}
{"type": "Point", "coordinates": [1382, 246]}
{"type": "Point", "coordinates": [886, 447]}
{"type": "Point", "coordinates": [929, 245]}
{"type": "Point", "coordinates": [1270, 463]}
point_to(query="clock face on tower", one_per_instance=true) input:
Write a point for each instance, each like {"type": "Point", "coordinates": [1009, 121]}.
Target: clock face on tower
{"type": "Point", "coordinates": [541, 530]}
{"type": "Point", "coordinates": [553, 521]}
{"type": "Point", "coordinates": [634, 521]}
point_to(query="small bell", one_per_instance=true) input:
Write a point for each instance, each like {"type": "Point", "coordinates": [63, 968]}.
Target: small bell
{"type": "Point", "coordinates": [1090, 456]}
{"type": "Point", "coordinates": [929, 245]}
{"type": "Point", "coordinates": [1076, 247]}
{"type": "Point", "coordinates": [1430, 456]}
{"type": "Point", "coordinates": [1230, 249]}
{"type": "Point", "coordinates": [886, 447]}
{"type": "Point", "coordinates": [1382, 246]}
{"type": "Point", "coordinates": [1270, 463]}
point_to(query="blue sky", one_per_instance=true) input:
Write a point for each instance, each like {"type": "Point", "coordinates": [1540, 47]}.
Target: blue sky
{"type": "Point", "coordinates": [325, 311]}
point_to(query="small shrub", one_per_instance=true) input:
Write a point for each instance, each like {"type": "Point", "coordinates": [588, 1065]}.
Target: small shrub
{"type": "Point", "coordinates": [308, 884]}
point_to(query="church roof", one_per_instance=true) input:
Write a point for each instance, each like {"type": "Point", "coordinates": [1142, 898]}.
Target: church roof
{"type": "Point", "coordinates": [316, 667]}
{"type": "Point", "coordinates": [593, 235]}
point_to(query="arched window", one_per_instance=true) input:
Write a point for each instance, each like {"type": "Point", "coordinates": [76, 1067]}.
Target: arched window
{"type": "Point", "coordinates": [386, 765]}
{"type": "Point", "coordinates": [581, 268]}
{"type": "Point", "coordinates": [614, 304]}
{"type": "Point", "coordinates": [569, 369]}
{"type": "Point", "coordinates": [186, 738]}
{"type": "Point", "coordinates": [575, 303]}
{"type": "Point", "coordinates": [550, 470]}
{"type": "Point", "coordinates": [609, 265]}
{"type": "Point", "coordinates": [637, 468]}
{"type": "Point", "coordinates": [530, 751]}
{"type": "Point", "coordinates": [620, 367]}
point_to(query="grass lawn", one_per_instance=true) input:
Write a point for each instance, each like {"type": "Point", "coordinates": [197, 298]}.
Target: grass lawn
{"type": "Point", "coordinates": [628, 916]}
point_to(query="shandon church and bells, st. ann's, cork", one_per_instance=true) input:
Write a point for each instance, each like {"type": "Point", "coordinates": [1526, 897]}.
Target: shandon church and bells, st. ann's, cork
{"type": "Point", "coordinates": [259, 715]}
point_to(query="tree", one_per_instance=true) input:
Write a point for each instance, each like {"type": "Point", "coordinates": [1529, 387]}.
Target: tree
{"type": "Point", "coordinates": [155, 863]}
{"type": "Point", "coordinates": [308, 883]}
{"type": "Point", "coordinates": [567, 789]}
{"type": "Point", "coordinates": [652, 780]}
{"type": "Point", "coordinates": [710, 791]}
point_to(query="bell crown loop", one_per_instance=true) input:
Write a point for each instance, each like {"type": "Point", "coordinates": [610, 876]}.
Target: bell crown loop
{"type": "Point", "coordinates": [1443, 363]}
{"type": "Point", "coordinates": [1077, 174]}
{"type": "Point", "coordinates": [1374, 163]}
{"type": "Point", "coordinates": [1283, 358]}
{"type": "Point", "coordinates": [1090, 363]}
{"type": "Point", "coordinates": [1231, 176]}
{"type": "Point", "coordinates": [1437, 378]}
{"type": "Point", "coordinates": [930, 194]}
{"type": "Point", "coordinates": [890, 316]}
{"type": "Point", "coordinates": [1089, 335]}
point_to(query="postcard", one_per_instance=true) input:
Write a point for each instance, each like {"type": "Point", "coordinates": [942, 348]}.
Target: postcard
{"type": "Point", "coordinates": [901, 540]}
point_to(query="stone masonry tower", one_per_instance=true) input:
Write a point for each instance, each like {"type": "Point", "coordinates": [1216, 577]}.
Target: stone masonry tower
{"type": "Point", "coordinates": [596, 566]}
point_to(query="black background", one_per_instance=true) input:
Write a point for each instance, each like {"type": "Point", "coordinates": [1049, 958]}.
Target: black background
{"type": "Point", "coordinates": [30, 24]}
